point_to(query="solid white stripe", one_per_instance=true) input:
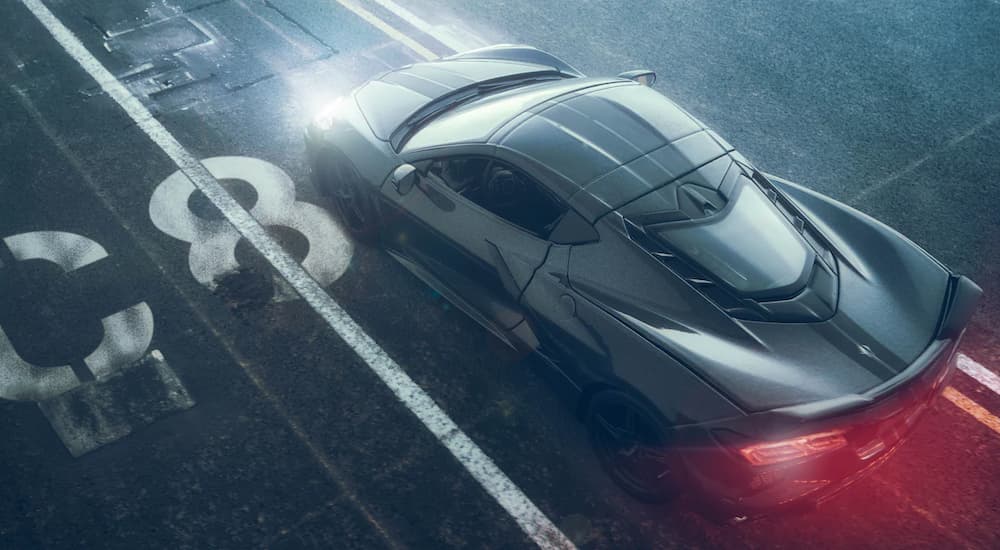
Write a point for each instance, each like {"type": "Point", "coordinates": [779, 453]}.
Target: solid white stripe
{"type": "Point", "coordinates": [980, 373]}
{"type": "Point", "coordinates": [534, 523]}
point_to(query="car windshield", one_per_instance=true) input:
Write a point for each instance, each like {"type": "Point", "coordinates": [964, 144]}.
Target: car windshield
{"type": "Point", "coordinates": [475, 121]}
{"type": "Point", "coordinates": [429, 112]}
{"type": "Point", "coordinates": [749, 245]}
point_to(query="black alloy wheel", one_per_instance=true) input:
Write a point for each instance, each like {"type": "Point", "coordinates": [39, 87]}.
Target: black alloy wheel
{"type": "Point", "coordinates": [355, 204]}
{"type": "Point", "coordinates": [631, 445]}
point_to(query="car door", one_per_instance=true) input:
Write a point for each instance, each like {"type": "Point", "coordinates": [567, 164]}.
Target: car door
{"type": "Point", "coordinates": [474, 228]}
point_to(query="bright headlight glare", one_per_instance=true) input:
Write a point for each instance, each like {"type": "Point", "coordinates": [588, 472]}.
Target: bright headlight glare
{"type": "Point", "coordinates": [328, 115]}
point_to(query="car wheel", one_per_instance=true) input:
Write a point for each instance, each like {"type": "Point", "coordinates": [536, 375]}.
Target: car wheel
{"type": "Point", "coordinates": [353, 200]}
{"type": "Point", "coordinates": [631, 444]}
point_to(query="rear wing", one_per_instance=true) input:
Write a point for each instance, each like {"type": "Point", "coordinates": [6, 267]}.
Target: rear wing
{"type": "Point", "coordinates": [963, 295]}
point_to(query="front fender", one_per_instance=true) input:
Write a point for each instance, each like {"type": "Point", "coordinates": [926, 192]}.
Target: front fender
{"type": "Point", "coordinates": [350, 141]}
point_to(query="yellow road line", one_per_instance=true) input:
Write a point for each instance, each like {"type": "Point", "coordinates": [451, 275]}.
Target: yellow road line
{"type": "Point", "coordinates": [975, 409]}
{"type": "Point", "coordinates": [388, 29]}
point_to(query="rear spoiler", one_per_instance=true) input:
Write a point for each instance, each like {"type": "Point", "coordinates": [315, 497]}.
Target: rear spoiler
{"type": "Point", "coordinates": [963, 295]}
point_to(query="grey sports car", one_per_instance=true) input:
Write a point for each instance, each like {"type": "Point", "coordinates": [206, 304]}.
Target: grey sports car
{"type": "Point", "coordinates": [723, 331]}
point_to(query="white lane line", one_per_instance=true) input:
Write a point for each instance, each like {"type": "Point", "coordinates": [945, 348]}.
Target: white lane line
{"type": "Point", "coordinates": [443, 35]}
{"type": "Point", "coordinates": [388, 29]}
{"type": "Point", "coordinates": [532, 521]}
{"type": "Point", "coordinates": [978, 372]}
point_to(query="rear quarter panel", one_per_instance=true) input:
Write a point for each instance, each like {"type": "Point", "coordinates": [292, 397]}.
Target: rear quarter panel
{"type": "Point", "coordinates": [626, 358]}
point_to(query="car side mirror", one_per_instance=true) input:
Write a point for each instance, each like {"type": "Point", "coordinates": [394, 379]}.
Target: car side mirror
{"type": "Point", "coordinates": [642, 76]}
{"type": "Point", "coordinates": [404, 177]}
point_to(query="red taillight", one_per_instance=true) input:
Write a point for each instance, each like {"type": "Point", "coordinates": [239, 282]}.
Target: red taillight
{"type": "Point", "coordinates": [763, 454]}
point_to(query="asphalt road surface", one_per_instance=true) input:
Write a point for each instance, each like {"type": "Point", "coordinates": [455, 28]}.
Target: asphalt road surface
{"type": "Point", "coordinates": [163, 385]}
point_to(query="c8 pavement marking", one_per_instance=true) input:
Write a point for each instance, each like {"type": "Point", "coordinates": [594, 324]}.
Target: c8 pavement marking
{"type": "Point", "coordinates": [529, 518]}
{"type": "Point", "coordinates": [127, 333]}
{"type": "Point", "coordinates": [213, 241]}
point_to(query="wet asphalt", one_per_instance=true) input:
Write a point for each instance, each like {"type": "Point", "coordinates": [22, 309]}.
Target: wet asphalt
{"type": "Point", "coordinates": [292, 442]}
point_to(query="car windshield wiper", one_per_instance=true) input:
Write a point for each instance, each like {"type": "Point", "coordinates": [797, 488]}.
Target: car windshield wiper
{"type": "Point", "coordinates": [432, 111]}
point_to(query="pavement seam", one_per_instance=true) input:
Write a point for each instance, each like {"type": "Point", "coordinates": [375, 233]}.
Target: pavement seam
{"type": "Point", "coordinates": [300, 26]}
{"type": "Point", "coordinates": [913, 166]}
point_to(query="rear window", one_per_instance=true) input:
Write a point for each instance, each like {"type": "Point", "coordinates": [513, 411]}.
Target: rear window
{"type": "Point", "coordinates": [749, 245]}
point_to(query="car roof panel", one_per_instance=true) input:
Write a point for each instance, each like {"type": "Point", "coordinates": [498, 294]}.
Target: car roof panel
{"type": "Point", "coordinates": [641, 105]}
{"type": "Point", "coordinates": [615, 143]}
{"type": "Point", "coordinates": [602, 129]}
{"type": "Point", "coordinates": [650, 172]}
{"type": "Point", "coordinates": [560, 149]}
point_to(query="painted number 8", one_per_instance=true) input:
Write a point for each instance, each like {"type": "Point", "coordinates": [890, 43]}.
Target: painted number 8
{"type": "Point", "coordinates": [213, 241]}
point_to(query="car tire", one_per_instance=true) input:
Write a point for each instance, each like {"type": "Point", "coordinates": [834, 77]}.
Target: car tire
{"type": "Point", "coordinates": [631, 443]}
{"type": "Point", "coordinates": [351, 198]}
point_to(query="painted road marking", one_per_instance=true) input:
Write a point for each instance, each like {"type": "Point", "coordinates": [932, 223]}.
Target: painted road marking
{"type": "Point", "coordinates": [532, 521]}
{"type": "Point", "coordinates": [213, 242]}
{"type": "Point", "coordinates": [975, 409]}
{"type": "Point", "coordinates": [985, 377]}
{"type": "Point", "coordinates": [127, 333]}
{"type": "Point", "coordinates": [388, 29]}
{"type": "Point", "coordinates": [86, 402]}
{"type": "Point", "coordinates": [443, 35]}
{"type": "Point", "coordinates": [979, 373]}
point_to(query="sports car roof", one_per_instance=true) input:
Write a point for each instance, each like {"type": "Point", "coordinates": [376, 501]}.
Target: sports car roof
{"type": "Point", "coordinates": [611, 144]}
{"type": "Point", "coordinates": [610, 140]}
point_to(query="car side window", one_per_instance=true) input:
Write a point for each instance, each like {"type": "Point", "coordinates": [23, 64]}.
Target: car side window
{"type": "Point", "coordinates": [458, 173]}
{"type": "Point", "coordinates": [504, 191]}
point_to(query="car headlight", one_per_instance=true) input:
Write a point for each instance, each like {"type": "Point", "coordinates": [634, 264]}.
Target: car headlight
{"type": "Point", "coordinates": [328, 115]}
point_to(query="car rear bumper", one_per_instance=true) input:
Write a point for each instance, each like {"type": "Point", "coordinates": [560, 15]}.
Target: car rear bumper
{"type": "Point", "coordinates": [730, 488]}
